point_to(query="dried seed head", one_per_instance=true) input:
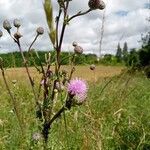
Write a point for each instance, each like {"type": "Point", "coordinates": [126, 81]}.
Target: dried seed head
{"type": "Point", "coordinates": [7, 25]}
{"type": "Point", "coordinates": [17, 23]}
{"type": "Point", "coordinates": [1, 33]}
{"type": "Point", "coordinates": [96, 4]}
{"type": "Point", "coordinates": [78, 50]}
{"type": "Point", "coordinates": [40, 30]}
{"type": "Point", "coordinates": [92, 67]}
{"type": "Point", "coordinates": [17, 35]}
{"type": "Point", "coordinates": [74, 44]}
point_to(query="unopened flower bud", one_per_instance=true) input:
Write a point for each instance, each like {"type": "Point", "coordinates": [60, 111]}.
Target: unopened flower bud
{"type": "Point", "coordinates": [92, 67]}
{"type": "Point", "coordinates": [49, 73]}
{"type": "Point", "coordinates": [78, 50]}
{"type": "Point", "coordinates": [7, 25]}
{"type": "Point", "coordinates": [74, 44]}
{"type": "Point", "coordinates": [96, 4]}
{"type": "Point", "coordinates": [102, 5]}
{"type": "Point", "coordinates": [59, 86]}
{"type": "Point", "coordinates": [17, 35]}
{"type": "Point", "coordinates": [40, 30]}
{"type": "Point", "coordinates": [17, 23]}
{"type": "Point", "coordinates": [1, 33]}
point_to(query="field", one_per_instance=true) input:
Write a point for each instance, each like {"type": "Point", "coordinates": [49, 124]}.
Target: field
{"type": "Point", "coordinates": [114, 117]}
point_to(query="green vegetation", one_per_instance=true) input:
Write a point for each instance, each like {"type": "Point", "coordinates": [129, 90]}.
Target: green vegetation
{"type": "Point", "coordinates": [14, 59]}
{"type": "Point", "coordinates": [114, 117]}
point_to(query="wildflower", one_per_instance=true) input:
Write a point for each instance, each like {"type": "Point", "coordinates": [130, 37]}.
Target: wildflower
{"type": "Point", "coordinates": [78, 89]}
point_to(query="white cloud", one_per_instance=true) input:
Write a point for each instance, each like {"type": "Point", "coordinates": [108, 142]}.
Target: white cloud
{"type": "Point", "coordinates": [85, 29]}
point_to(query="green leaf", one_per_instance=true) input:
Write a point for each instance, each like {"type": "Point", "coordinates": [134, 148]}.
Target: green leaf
{"type": "Point", "coordinates": [50, 20]}
{"type": "Point", "coordinates": [52, 36]}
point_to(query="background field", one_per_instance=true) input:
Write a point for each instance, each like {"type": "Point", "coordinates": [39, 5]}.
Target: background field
{"type": "Point", "coordinates": [114, 117]}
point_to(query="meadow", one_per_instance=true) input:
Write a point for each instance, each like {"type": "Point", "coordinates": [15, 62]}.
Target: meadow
{"type": "Point", "coordinates": [115, 115]}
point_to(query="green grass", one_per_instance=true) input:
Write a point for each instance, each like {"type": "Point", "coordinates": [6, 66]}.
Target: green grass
{"type": "Point", "coordinates": [116, 116]}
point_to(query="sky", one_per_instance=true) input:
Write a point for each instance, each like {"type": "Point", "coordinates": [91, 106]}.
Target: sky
{"type": "Point", "coordinates": [125, 21]}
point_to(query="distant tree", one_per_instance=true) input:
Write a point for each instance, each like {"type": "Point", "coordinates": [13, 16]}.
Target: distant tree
{"type": "Point", "coordinates": [125, 52]}
{"type": "Point", "coordinates": [119, 53]}
{"type": "Point", "coordinates": [144, 52]}
{"type": "Point", "coordinates": [133, 59]}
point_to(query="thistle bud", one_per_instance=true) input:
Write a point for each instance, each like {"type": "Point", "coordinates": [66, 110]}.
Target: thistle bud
{"type": "Point", "coordinates": [59, 86]}
{"type": "Point", "coordinates": [96, 4]}
{"type": "Point", "coordinates": [78, 50]}
{"type": "Point", "coordinates": [17, 35]}
{"type": "Point", "coordinates": [7, 25]}
{"type": "Point", "coordinates": [74, 44]}
{"type": "Point", "coordinates": [40, 30]}
{"type": "Point", "coordinates": [92, 67]}
{"type": "Point", "coordinates": [17, 23]}
{"type": "Point", "coordinates": [102, 5]}
{"type": "Point", "coordinates": [1, 33]}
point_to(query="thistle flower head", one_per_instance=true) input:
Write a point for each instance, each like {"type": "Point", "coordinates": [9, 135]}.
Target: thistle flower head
{"type": "Point", "coordinates": [78, 88]}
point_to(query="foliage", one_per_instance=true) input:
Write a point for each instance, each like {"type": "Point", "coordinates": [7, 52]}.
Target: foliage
{"type": "Point", "coordinates": [115, 116]}
{"type": "Point", "coordinates": [140, 59]}
{"type": "Point", "coordinates": [14, 59]}
{"type": "Point", "coordinates": [119, 53]}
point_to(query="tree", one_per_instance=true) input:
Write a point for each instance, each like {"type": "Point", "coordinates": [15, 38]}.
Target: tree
{"type": "Point", "coordinates": [125, 52]}
{"type": "Point", "coordinates": [119, 53]}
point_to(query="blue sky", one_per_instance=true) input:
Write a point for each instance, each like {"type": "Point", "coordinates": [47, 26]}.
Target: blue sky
{"type": "Point", "coordinates": [125, 20]}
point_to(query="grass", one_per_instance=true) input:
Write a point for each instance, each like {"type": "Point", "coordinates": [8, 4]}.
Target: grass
{"type": "Point", "coordinates": [114, 117]}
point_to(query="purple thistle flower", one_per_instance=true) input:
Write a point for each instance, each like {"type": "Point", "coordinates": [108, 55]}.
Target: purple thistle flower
{"type": "Point", "coordinates": [78, 88]}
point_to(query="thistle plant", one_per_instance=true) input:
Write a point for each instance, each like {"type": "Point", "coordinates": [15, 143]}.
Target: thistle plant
{"type": "Point", "coordinates": [58, 85]}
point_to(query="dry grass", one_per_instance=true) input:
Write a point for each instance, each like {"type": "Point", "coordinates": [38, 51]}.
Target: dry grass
{"type": "Point", "coordinates": [81, 71]}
